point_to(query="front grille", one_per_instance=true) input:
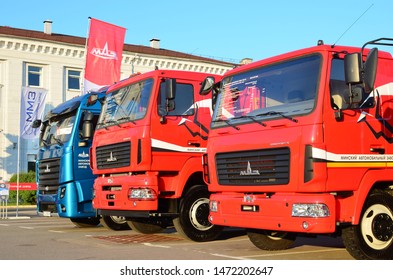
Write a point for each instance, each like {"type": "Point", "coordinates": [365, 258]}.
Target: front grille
{"type": "Point", "coordinates": [114, 155]}
{"type": "Point", "coordinates": [48, 176]}
{"type": "Point", "coordinates": [253, 168]}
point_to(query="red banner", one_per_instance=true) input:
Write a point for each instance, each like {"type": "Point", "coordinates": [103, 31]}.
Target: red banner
{"type": "Point", "coordinates": [103, 54]}
{"type": "Point", "coordinates": [23, 186]}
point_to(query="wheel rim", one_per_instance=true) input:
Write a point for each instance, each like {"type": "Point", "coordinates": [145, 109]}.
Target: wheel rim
{"type": "Point", "coordinates": [118, 219]}
{"type": "Point", "coordinates": [276, 235]}
{"type": "Point", "coordinates": [377, 227]}
{"type": "Point", "coordinates": [199, 213]}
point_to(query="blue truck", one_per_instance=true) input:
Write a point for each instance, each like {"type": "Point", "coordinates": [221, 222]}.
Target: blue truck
{"type": "Point", "coordinates": [64, 178]}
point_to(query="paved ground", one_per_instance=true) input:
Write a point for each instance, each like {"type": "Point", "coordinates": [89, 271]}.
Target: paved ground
{"type": "Point", "coordinates": [31, 237]}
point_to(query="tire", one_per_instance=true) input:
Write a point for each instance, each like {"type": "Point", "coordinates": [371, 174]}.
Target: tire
{"type": "Point", "coordinates": [372, 238]}
{"type": "Point", "coordinates": [145, 227]}
{"type": "Point", "coordinates": [193, 220]}
{"type": "Point", "coordinates": [271, 240]}
{"type": "Point", "coordinates": [115, 222]}
{"type": "Point", "coordinates": [86, 222]}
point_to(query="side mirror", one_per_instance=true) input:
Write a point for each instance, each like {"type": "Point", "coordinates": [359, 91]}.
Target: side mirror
{"type": "Point", "coordinates": [370, 70]}
{"type": "Point", "coordinates": [352, 68]}
{"type": "Point", "coordinates": [360, 77]}
{"type": "Point", "coordinates": [36, 124]}
{"type": "Point", "coordinates": [170, 89]}
{"type": "Point", "coordinates": [207, 85]}
{"type": "Point", "coordinates": [92, 100]}
{"type": "Point", "coordinates": [170, 94]}
{"type": "Point", "coordinates": [87, 126]}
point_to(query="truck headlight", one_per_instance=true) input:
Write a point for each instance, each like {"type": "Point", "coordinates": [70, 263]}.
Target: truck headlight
{"type": "Point", "coordinates": [314, 210]}
{"type": "Point", "coordinates": [142, 194]}
{"type": "Point", "coordinates": [213, 206]}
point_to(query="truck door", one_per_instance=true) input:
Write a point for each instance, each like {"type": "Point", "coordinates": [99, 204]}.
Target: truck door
{"type": "Point", "coordinates": [81, 149]}
{"type": "Point", "coordinates": [180, 131]}
{"type": "Point", "coordinates": [352, 134]}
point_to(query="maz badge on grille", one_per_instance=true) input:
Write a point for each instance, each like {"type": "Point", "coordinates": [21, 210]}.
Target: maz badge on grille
{"type": "Point", "coordinates": [249, 171]}
{"type": "Point", "coordinates": [111, 158]}
{"type": "Point", "coordinates": [47, 170]}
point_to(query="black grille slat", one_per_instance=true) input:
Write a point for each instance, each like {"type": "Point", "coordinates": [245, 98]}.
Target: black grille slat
{"type": "Point", "coordinates": [253, 168]}
{"type": "Point", "coordinates": [48, 175]}
{"type": "Point", "coordinates": [113, 156]}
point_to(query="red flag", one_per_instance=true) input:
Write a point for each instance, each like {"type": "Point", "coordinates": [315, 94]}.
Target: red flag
{"type": "Point", "coordinates": [104, 54]}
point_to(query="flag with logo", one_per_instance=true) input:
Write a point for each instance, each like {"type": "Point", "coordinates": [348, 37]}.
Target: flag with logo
{"type": "Point", "coordinates": [103, 54]}
{"type": "Point", "coordinates": [31, 109]}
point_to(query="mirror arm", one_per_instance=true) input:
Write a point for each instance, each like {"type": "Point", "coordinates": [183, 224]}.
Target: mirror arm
{"type": "Point", "coordinates": [338, 115]}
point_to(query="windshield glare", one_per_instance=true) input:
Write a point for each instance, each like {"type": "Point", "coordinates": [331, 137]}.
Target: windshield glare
{"type": "Point", "coordinates": [126, 104]}
{"type": "Point", "coordinates": [275, 91]}
{"type": "Point", "coordinates": [57, 131]}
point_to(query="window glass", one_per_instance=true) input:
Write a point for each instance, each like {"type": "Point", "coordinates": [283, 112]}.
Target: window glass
{"type": "Point", "coordinates": [184, 100]}
{"type": "Point", "coordinates": [73, 79]}
{"type": "Point", "coordinates": [34, 74]}
{"type": "Point", "coordinates": [275, 91]}
{"type": "Point", "coordinates": [126, 104]}
{"type": "Point", "coordinates": [339, 90]}
{"type": "Point", "coordinates": [58, 130]}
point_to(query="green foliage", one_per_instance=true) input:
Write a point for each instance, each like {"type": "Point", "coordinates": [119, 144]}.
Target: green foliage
{"type": "Point", "coordinates": [25, 197]}
{"type": "Point", "coordinates": [24, 177]}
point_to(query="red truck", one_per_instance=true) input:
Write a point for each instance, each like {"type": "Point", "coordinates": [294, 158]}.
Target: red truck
{"type": "Point", "coordinates": [301, 144]}
{"type": "Point", "coordinates": [147, 153]}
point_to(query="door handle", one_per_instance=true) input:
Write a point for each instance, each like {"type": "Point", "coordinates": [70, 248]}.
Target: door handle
{"type": "Point", "coordinates": [193, 143]}
{"type": "Point", "coordinates": [379, 150]}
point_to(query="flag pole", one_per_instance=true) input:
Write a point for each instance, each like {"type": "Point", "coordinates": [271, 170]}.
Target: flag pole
{"type": "Point", "coordinates": [86, 42]}
{"type": "Point", "coordinates": [17, 177]}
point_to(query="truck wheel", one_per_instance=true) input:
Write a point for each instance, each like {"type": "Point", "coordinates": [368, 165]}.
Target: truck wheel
{"type": "Point", "coordinates": [115, 222]}
{"type": "Point", "coordinates": [86, 222]}
{"type": "Point", "coordinates": [271, 240]}
{"type": "Point", "coordinates": [372, 238]}
{"type": "Point", "coordinates": [144, 227]}
{"type": "Point", "coordinates": [193, 221]}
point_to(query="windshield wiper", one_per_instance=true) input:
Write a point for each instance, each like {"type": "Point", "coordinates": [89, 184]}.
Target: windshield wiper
{"type": "Point", "coordinates": [271, 113]}
{"type": "Point", "coordinates": [128, 118]}
{"type": "Point", "coordinates": [46, 144]}
{"type": "Point", "coordinates": [102, 125]}
{"type": "Point", "coordinates": [112, 122]}
{"type": "Point", "coordinates": [57, 140]}
{"type": "Point", "coordinates": [251, 118]}
{"type": "Point", "coordinates": [228, 123]}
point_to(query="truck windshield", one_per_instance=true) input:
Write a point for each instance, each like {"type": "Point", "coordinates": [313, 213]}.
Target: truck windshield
{"type": "Point", "coordinates": [58, 130]}
{"type": "Point", "coordinates": [281, 90]}
{"type": "Point", "coordinates": [126, 104]}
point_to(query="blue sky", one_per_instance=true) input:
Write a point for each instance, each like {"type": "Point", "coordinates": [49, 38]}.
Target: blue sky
{"type": "Point", "coordinates": [225, 30]}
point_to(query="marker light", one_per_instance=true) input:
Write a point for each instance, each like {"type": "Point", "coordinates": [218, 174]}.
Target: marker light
{"type": "Point", "coordinates": [142, 194]}
{"type": "Point", "coordinates": [315, 210]}
{"type": "Point", "coordinates": [62, 192]}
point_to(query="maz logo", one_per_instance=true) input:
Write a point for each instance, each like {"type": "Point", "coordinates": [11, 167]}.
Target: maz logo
{"type": "Point", "coordinates": [104, 53]}
{"type": "Point", "coordinates": [111, 158]}
{"type": "Point", "coordinates": [249, 171]}
{"type": "Point", "coordinates": [47, 170]}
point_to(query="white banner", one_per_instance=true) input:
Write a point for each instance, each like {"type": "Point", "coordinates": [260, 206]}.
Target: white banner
{"type": "Point", "coordinates": [31, 109]}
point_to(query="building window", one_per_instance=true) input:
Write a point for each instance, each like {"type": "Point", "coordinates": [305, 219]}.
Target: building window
{"type": "Point", "coordinates": [31, 160]}
{"type": "Point", "coordinates": [73, 79]}
{"type": "Point", "coordinates": [34, 75]}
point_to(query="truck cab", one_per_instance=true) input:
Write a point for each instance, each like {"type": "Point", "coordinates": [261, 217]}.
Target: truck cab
{"type": "Point", "coordinates": [301, 144]}
{"type": "Point", "coordinates": [64, 178]}
{"type": "Point", "coordinates": [147, 153]}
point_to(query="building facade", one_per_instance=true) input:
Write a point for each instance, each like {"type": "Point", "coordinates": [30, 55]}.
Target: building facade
{"type": "Point", "coordinates": [56, 62]}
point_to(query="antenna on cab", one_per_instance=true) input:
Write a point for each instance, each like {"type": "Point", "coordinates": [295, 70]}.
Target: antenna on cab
{"type": "Point", "coordinates": [352, 24]}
